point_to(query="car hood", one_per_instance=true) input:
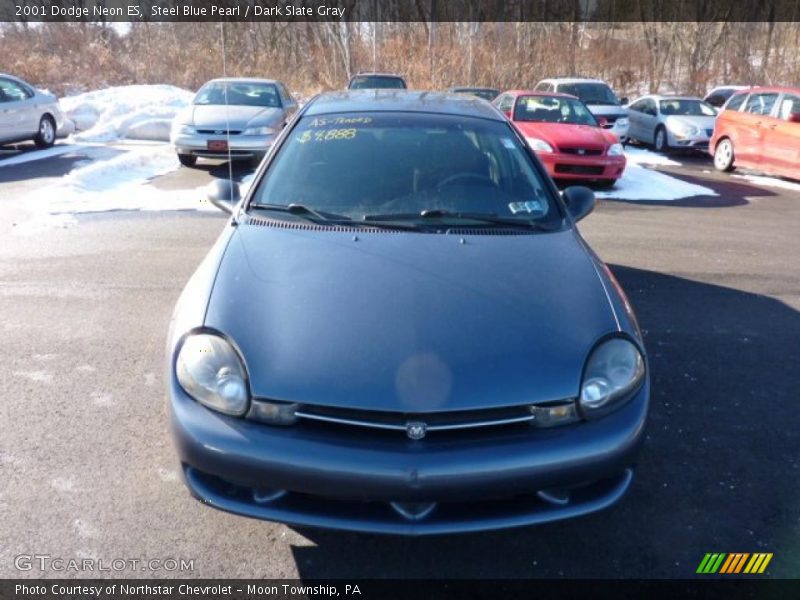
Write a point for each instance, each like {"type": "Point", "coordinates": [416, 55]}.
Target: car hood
{"type": "Point", "coordinates": [692, 121]}
{"type": "Point", "coordinates": [563, 134]}
{"type": "Point", "coordinates": [409, 322]}
{"type": "Point", "coordinates": [215, 116]}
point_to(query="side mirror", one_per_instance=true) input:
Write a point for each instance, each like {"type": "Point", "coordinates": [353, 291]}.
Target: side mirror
{"type": "Point", "coordinates": [794, 117]}
{"type": "Point", "coordinates": [224, 194]}
{"type": "Point", "coordinates": [602, 121]}
{"type": "Point", "coordinates": [580, 201]}
{"type": "Point", "coordinates": [623, 100]}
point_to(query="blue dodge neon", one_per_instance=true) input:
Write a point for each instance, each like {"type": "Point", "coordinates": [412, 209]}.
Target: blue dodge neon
{"type": "Point", "coordinates": [402, 331]}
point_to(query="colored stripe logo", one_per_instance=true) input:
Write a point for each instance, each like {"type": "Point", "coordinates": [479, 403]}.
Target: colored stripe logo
{"type": "Point", "coordinates": [734, 563]}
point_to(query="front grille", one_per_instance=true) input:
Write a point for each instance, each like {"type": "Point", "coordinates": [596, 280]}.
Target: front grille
{"type": "Point", "coordinates": [429, 422]}
{"type": "Point", "coordinates": [582, 151]}
{"type": "Point", "coordinates": [580, 169]}
{"type": "Point", "coordinates": [220, 131]}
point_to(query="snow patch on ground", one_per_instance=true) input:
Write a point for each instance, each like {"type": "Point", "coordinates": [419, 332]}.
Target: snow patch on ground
{"type": "Point", "coordinates": [641, 183]}
{"type": "Point", "coordinates": [643, 156]}
{"type": "Point", "coordinates": [771, 182]}
{"type": "Point", "coordinates": [118, 183]}
{"type": "Point", "coordinates": [143, 112]}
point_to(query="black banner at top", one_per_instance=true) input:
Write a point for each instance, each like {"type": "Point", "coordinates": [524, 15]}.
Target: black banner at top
{"type": "Point", "coordinates": [398, 10]}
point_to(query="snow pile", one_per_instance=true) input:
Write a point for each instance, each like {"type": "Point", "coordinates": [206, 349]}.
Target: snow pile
{"type": "Point", "coordinates": [120, 183]}
{"type": "Point", "coordinates": [641, 183]}
{"type": "Point", "coordinates": [141, 112]}
{"type": "Point", "coordinates": [771, 182]}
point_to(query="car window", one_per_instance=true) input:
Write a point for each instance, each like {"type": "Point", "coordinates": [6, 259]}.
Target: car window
{"type": "Point", "coordinates": [505, 102]}
{"type": "Point", "coordinates": [761, 104]}
{"type": "Point", "coordinates": [686, 108]}
{"type": "Point", "coordinates": [355, 164]}
{"type": "Point", "coordinates": [13, 91]}
{"type": "Point", "coordinates": [639, 105]}
{"type": "Point", "coordinates": [542, 86]}
{"type": "Point", "coordinates": [370, 82]}
{"type": "Point", "coordinates": [590, 93]}
{"type": "Point", "coordinates": [552, 109]}
{"type": "Point", "coordinates": [239, 93]}
{"type": "Point", "coordinates": [736, 101]}
{"type": "Point", "coordinates": [790, 104]}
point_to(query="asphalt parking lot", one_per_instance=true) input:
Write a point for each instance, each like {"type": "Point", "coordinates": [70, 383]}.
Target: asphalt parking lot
{"type": "Point", "coordinates": [88, 470]}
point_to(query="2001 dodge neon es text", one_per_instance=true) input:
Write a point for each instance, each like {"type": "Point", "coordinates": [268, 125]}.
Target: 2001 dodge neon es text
{"type": "Point", "coordinates": [402, 331]}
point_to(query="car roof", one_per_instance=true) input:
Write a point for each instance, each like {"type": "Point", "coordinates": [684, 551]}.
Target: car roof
{"type": "Point", "coordinates": [535, 93]}
{"type": "Point", "coordinates": [350, 101]}
{"type": "Point", "coordinates": [376, 74]}
{"type": "Point", "coordinates": [471, 87]}
{"type": "Point", "coordinates": [670, 97]}
{"type": "Point", "coordinates": [574, 80]}
{"type": "Point", "coordinates": [779, 89]}
{"type": "Point", "coordinates": [243, 80]}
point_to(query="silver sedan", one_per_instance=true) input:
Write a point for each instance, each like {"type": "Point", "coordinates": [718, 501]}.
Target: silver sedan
{"type": "Point", "coordinates": [670, 122]}
{"type": "Point", "coordinates": [232, 119]}
{"type": "Point", "coordinates": [28, 114]}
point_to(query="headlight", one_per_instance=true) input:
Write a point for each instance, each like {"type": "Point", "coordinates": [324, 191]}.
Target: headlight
{"type": "Point", "coordinates": [182, 129]}
{"type": "Point", "coordinates": [211, 372]}
{"type": "Point", "coordinates": [615, 369]}
{"type": "Point", "coordinates": [616, 150]}
{"type": "Point", "coordinates": [684, 130]}
{"type": "Point", "coordinates": [258, 131]}
{"type": "Point", "coordinates": [538, 145]}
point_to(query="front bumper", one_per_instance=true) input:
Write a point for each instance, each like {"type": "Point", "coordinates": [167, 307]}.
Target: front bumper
{"type": "Point", "coordinates": [588, 168]}
{"type": "Point", "coordinates": [333, 477]}
{"type": "Point", "coordinates": [699, 141]}
{"type": "Point", "coordinates": [241, 146]}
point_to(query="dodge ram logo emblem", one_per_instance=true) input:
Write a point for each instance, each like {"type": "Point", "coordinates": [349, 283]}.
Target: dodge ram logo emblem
{"type": "Point", "coordinates": [416, 430]}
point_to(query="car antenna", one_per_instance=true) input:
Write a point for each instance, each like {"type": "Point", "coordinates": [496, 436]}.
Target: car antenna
{"type": "Point", "coordinates": [227, 110]}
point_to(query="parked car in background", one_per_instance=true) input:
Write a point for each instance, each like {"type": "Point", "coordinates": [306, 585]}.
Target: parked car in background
{"type": "Point", "coordinates": [405, 332]}
{"type": "Point", "coordinates": [27, 113]}
{"type": "Point", "coordinates": [759, 128]}
{"type": "Point", "coordinates": [670, 122]}
{"type": "Point", "coordinates": [566, 136]}
{"type": "Point", "coordinates": [598, 96]}
{"type": "Point", "coordinates": [487, 94]}
{"type": "Point", "coordinates": [376, 81]}
{"type": "Point", "coordinates": [236, 118]}
{"type": "Point", "coordinates": [719, 95]}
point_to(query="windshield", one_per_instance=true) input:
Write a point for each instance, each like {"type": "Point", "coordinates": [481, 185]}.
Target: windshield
{"type": "Point", "coordinates": [686, 108]}
{"type": "Point", "coordinates": [590, 93]}
{"type": "Point", "coordinates": [238, 93]}
{"type": "Point", "coordinates": [382, 163]}
{"type": "Point", "coordinates": [375, 82]}
{"type": "Point", "coordinates": [552, 109]}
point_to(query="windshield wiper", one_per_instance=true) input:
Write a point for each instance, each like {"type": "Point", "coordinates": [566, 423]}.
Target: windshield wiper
{"type": "Point", "coordinates": [328, 218]}
{"type": "Point", "coordinates": [486, 218]}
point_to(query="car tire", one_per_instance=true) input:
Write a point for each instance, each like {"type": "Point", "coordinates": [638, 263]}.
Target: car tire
{"type": "Point", "coordinates": [46, 135]}
{"type": "Point", "coordinates": [660, 140]}
{"type": "Point", "coordinates": [723, 155]}
{"type": "Point", "coordinates": [187, 160]}
{"type": "Point", "coordinates": [606, 184]}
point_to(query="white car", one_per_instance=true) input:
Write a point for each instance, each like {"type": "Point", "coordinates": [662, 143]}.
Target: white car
{"type": "Point", "coordinates": [28, 114]}
{"type": "Point", "coordinates": [598, 97]}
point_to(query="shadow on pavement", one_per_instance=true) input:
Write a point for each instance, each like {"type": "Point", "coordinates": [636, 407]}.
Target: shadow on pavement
{"type": "Point", "coordinates": [720, 470]}
{"type": "Point", "coordinates": [47, 166]}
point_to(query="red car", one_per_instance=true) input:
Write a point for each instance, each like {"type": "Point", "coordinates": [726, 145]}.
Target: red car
{"type": "Point", "coordinates": [759, 128]}
{"type": "Point", "coordinates": [566, 137]}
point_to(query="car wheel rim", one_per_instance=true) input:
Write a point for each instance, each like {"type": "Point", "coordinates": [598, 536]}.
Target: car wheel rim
{"type": "Point", "coordinates": [723, 154]}
{"type": "Point", "coordinates": [46, 131]}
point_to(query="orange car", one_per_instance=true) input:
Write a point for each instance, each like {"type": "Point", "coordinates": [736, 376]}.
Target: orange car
{"type": "Point", "coordinates": [759, 128]}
